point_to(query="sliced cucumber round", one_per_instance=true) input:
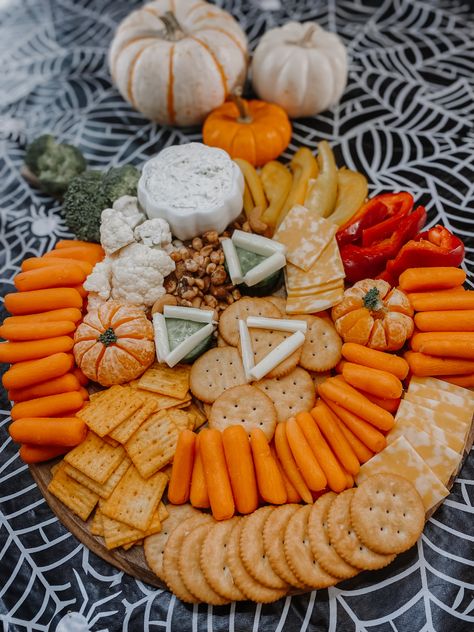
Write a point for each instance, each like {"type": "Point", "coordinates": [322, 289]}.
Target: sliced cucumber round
{"type": "Point", "coordinates": [179, 329]}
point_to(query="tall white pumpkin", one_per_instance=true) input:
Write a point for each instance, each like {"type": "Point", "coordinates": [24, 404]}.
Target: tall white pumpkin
{"type": "Point", "coordinates": [176, 60]}
{"type": "Point", "coordinates": [301, 67]}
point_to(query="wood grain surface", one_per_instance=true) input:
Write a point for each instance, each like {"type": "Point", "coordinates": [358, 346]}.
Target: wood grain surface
{"type": "Point", "coordinates": [133, 561]}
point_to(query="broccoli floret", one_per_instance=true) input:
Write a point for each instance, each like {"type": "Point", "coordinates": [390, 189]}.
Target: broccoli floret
{"type": "Point", "coordinates": [54, 164]}
{"type": "Point", "coordinates": [119, 181]}
{"type": "Point", "coordinates": [92, 192]}
{"type": "Point", "coordinates": [83, 204]}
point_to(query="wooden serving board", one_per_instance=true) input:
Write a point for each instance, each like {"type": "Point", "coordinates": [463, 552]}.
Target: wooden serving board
{"type": "Point", "coordinates": [133, 561]}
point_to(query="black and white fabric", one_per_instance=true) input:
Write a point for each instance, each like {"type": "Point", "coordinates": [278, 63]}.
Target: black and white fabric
{"type": "Point", "coordinates": [405, 120]}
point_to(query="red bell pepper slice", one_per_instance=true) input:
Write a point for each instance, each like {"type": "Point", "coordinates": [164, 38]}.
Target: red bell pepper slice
{"type": "Point", "coordinates": [434, 247]}
{"type": "Point", "coordinates": [375, 211]}
{"type": "Point", "coordinates": [362, 262]}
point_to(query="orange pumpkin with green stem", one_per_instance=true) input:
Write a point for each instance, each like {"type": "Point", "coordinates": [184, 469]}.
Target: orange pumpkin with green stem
{"type": "Point", "coordinates": [254, 130]}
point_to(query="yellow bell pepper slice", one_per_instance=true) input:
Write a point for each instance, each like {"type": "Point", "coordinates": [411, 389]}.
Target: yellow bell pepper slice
{"type": "Point", "coordinates": [254, 184]}
{"type": "Point", "coordinates": [276, 180]}
{"type": "Point", "coordinates": [352, 191]}
{"type": "Point", "coordinates": [304, 167]}
{"type": "Point", "coordinates": [322, 192]}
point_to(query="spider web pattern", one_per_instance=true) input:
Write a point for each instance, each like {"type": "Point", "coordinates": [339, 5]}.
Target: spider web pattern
{"type": "Point", "coordinates": [405, 120]}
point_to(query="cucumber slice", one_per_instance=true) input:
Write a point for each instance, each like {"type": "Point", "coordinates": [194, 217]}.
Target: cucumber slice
{"type": "Point", "coordinates": [179, 329]}
{"type": "Point", "coordinates": [249, 260]}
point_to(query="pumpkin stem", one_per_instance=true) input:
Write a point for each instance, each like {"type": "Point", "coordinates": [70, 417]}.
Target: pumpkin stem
{"type": "Point", "coordinates": [236, 97]}
{"type": "Point", "coordinates": [372, 300]}
{"type": "Point", "coordinates": [306, 39]}
{"type": "Point", "coordinates": [174, 30]}
{"type": "Point", "coordinates": [108, 337]}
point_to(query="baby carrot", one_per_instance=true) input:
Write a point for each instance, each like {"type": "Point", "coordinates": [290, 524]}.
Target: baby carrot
{"type": "Point", "coordinates": [26, 331]}
{"type": "Point", "coordinates": [180, 481]}
{"type": "Point", "coordinates": [348, 397]}
{"type": "Point", "coordinates": [71, 314]}
{"type": "Point", "coordinates": [38, 453]}
{"type": "Point", "coordinates": [360, 449]}
{"type": "Point", "coordinates": [82, 379]}
{"type": "Point", "coordinates": [26, 374]}
{"type": "Point", "coordinates": [436, 278]}
{"type": "Point", "coordinates": [446, 320]}
{"type": "Point", "coordinates": [413, 296]}
{"type": "Point", "coordinates": [443, 301]}
{"type": "Point", "coordinates": [63, 384]}
{"type": "Point", "coordinates": [65, 275]}
{"type": "Point", "coordinates": [369, 435]}
{"type": "Point", "coordinates": [466, 381]}
{"type": "Point", "coordinates": [19, 303]}
{"type": "Point", "coordinates": [324, 418]}
{"type": "Point", "coordinates": [269, 480]}
{"type": "Point", "coordinates": [387, 404]}
{"type": "Point", "coordinates": [48, 431]}
{"type": "Point", "coordinates": [38, 263]}
{"type": "Point", "coordinates": [292, 495]}
{"type": "Point", "coordinates": [84, 393]}
{"type": "Point", "coordinates": [76, 252]}
{"type": "Point", "coordinates": [198, 496]}
{"type": "Point", "coordinates": [375, 381]}
{"type": "Point", "coordinates": [288, 463]}
{"type": "Point", "coordinates": [336, 479]}
{"type": "Point", "coordinates": [216, 474]}
{"type": "Point", "coordinates": [305, 458]}
{"type": "Point", "coordinates": [238, 456]}
{"type": "Point", "coordinates": [449, 348]}
{"type": "Point", "coordinates": [424, 365]}
{"type": "Point", "coordinates": [62, 244]}
{"type": "Point", "coordinates": [420, 338]}
{"type": "Point", "coordinates": [375, 359]}
{"type": "Point", "coordinates": [33, 349]}
{"type": "Point", "coordinates": [80, 288]}
{"type": "Point", "coordinates": [49, 406]}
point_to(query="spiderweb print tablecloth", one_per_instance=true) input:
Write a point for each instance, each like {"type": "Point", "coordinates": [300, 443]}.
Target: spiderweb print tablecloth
{"type": "Point", "coordinates": [405, 120]}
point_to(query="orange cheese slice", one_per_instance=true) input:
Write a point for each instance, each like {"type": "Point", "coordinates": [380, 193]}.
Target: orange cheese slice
{"type": "Point", "coordinates": [401, 458]}
{"type": "Point", "coordinates": [328, 267]}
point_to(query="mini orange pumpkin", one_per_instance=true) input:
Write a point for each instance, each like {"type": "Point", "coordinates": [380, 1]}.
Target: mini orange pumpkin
{"type": "Point", "coordinates": [374, 315]}
{"type": "Point", "coordinates": [114, 343]}
{"type": "Point", "coordinates": [254, 130]}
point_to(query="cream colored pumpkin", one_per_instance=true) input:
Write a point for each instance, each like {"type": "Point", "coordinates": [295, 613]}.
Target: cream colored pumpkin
{"type": "Point", "coordinates": [176, 60]}
{"type": "Point", "coordinates": [301, 67]}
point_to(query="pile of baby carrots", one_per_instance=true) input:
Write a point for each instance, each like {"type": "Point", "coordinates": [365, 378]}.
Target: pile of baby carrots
{"type": "Point", "coordinates": [42, 380]}
{"type": "Point", "coordinates": [312, 452]}
{"type": "Point", "coordinates": [443, 342]}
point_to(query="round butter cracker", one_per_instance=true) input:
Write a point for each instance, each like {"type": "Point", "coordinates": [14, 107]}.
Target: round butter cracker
{"type": "Point", "coordinates": [229, 319]}
{"type": "Point", "coordinates": [214, 372]}
{"type": "Point", "coordinates": [322, 347]}
{"type": "Point", "coordinates": [344, 539]}
{"type": "Point", "coordinates": [264, 341]}
{"type": "Point", "coordinates": [244, 405]}
{"type": "Point", "coordinates": [387, 513]}
{"type": "Point", "coordinates": [291, 394]}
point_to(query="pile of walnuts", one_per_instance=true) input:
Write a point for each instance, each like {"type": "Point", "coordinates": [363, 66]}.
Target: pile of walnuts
{"type": "Point", "coordinates": [200, 279]}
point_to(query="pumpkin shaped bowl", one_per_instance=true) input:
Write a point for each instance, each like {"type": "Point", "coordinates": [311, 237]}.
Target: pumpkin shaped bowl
{"type": "Point", "coordinates": [114, 343]}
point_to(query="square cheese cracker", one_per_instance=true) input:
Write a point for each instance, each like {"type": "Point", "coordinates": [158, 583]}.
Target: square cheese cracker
{"type": "Point", "coordinates": [400, 458]}
{"type": "Point", "coordinates": [305, 236]}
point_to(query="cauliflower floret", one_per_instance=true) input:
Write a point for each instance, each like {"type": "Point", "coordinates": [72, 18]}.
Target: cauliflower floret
{"type": "Point", "coordinates": [115, 233]}
{"type": "Point", "coordinates": [127, 205]}
{"type": "Point", "coordinates": [138, 273]}
{"type": "Point", "coordinates": [154, 232]}
{"type": "Point", "coordinates": [99, 280]}
{"type": "Point", "coordinates": [94, 301]}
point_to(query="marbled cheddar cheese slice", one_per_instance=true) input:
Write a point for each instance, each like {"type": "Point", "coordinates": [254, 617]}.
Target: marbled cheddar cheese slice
{"type": "Point", "coordinates": [400, 458]}
{"type": "Point", "coordinates": [443, 391]}
{"type": "Point", "coordinates": [305, 236]}
{"type": "Point", "coordinates": [432, 422]}
{"type": "Point", "coordinates": [314, 303]}
{"type": "Point", "coordinates": [450, 411]}
{"type": "Point", "coordinates": [438, 456]}
{"type": "Point", "coordinates": [328, 267]}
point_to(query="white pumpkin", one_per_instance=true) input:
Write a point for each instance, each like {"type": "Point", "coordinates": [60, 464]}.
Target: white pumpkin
{"type": "Point", "coordinates": [176, 60]}
{"type": "Point", "coordinates": [301, 67]}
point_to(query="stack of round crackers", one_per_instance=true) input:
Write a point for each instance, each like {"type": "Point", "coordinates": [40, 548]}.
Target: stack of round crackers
{"type": "Point", "coordinates": [277, 549]}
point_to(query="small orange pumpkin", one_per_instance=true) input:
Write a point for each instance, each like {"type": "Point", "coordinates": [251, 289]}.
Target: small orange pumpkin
{"type": "Point", "coordinates": [114, 343]}
{"type": "Point", "coordinates": [254, 130]}
{"type": "Point", "coordinates": [374, 315]}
